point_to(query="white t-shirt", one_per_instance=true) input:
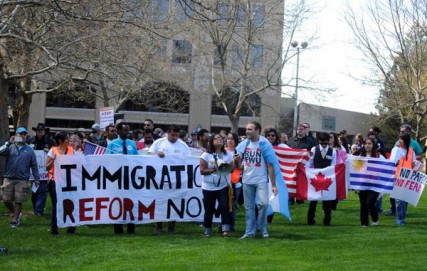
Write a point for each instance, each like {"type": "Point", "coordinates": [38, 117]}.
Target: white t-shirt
{"type": "Point", "coordinates": [216, 181]}
{"type": "Point", "coordinates": [397, 153]}
{"type": "Point", "coordinates": [169, 148]}
{"type": "Point", "coordinates": [255, 168]}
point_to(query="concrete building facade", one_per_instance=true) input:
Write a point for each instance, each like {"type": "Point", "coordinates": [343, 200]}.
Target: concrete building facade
{"type": "Point", "coordinates": [193, 70]}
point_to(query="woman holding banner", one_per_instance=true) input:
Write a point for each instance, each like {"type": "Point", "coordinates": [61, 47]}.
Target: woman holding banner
{"type": "Point", "coordinates": [404, 157]}
{"type": "Point", "coordinates": [368, 198]}
{"type": "Point", "coordinates": [216, 183]}
{"type": "Point", "coordinates": [63, 148]}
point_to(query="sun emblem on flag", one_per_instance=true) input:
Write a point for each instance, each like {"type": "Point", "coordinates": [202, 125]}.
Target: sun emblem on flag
{"type": "Point", "coordinates": [358, 164]}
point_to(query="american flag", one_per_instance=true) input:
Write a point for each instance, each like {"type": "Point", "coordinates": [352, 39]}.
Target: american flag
{"type": "Point", "coordinates": [93, 149]}
{"type": "Point", "coordinates": [288, 160]}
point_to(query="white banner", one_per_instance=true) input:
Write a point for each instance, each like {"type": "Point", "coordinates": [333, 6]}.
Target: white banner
{"type": "Point", "coordinates": [119, 189]}
{"type": "Point", "coordinates": [409, 186]}
{"type": "Point", "coordinates": [41, 164]}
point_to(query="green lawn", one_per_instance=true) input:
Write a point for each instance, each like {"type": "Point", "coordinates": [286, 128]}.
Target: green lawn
{"type": "Point", "coordinates": [343, 246]}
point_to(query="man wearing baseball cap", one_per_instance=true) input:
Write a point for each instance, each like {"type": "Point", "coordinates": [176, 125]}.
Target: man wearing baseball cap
{"type": "Point", "coordinates": [41, 141]}
{"type": "Point", "coordinates": [20, 157]}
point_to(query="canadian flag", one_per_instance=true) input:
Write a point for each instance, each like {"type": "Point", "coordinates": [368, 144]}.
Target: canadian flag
{"type": "Point", "coordinates": [321, 184]}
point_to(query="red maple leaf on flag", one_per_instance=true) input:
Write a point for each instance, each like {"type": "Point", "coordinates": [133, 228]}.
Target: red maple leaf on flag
{"type": "Point", "coordinates": [320, 183]}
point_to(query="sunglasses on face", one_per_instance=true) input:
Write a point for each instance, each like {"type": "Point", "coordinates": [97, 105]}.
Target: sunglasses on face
{"type": "Point", "coordinates": [324, 143]}
{"type": "Point", "coordinates": [271, 135]}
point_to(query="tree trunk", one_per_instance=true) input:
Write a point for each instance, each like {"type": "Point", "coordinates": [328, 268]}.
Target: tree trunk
{"type": "Point", "coordinates": [234, 120]}
{"type": "Point", "coordinates": [24, 103]}
{"type": "Point", "coordinates": [4, 115]}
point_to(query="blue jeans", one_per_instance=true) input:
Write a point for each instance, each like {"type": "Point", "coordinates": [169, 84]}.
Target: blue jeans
{"type": "Point", "coordinates": [39, 198]}
{"type": "Point", "coordinates": [252, 193]}
{"type": "Point", "coordinates": [401, 207]}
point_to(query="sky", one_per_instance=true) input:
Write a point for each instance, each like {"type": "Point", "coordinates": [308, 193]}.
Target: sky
{"type": "Point", "coordinates": [332, 61]}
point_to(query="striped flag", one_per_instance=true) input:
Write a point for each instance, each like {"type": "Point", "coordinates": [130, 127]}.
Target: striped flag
{"type": "Point", "coordinates": [288, 160]}
{"type": "Point", "coordinates": [367, 173]}
{"type": "Point", "coordinates": [93, 149]}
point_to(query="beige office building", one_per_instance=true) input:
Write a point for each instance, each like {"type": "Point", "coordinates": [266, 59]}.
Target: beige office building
{"type": "Point", "coordinates": [189, 63]}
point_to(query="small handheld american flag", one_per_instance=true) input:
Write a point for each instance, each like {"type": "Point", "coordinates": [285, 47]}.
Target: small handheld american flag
{"type": "Point", "coordinates": [93, 149]}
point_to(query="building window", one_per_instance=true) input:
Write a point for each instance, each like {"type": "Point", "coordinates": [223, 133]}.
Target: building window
{"type": "Point", "coordinates": [240, 16]}
{"type": "Point", "coordinates": [328, 123]}
{"type": "Point", "coordinates": [159, 9]}
{"type": "Point", "coordinates": [222, 13]}
{"type": "Point", "coordinates": [80, 96]}
{"type": "Point", "coordinates": [251, 107]}
{"type": "Point", "coordinates": [159, 97]}
{"type": "Point", "coordinates": [183, 10]}
{"type": "Point", "coordinates": [237, 55]}
{"type": "Point", "coordinates": [182, 51]}
{"type": "Point", "coordinates": [256, 54]}
{"type": "Point", "coordinates": [220, 55]}
{"type": "Point", "coordinates": [258, 16]}
{"type": "Point", "coordinates": [161, 51]}
{"type": "Point", "coordinates": [132, 11]}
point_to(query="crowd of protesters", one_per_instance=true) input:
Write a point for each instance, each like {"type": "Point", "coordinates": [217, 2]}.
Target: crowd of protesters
{"type": "Point", "coordinates": [243, 176]}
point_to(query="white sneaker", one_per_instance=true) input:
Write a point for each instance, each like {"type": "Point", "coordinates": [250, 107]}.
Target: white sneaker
{"type": "Point", "coordinates": [246, 236]}
{"type": "Point", "coordinates": [265, 235]}
{"type": "Point", "coordinates": [377, 223]}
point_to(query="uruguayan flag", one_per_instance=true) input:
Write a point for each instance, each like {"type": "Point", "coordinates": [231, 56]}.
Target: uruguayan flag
{"type": "Point", "coordinates": [367, 173]}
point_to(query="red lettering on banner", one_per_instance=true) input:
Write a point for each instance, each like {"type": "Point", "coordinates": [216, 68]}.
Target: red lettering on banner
{"type": "Point", "coordinates": [128, 204]}
{"type": "Point", "coordinates": [144, 210]}
{"type": "Point", "coordinates": [83, 209]}
{"type": "Point", "coordinates": [417, 187]}
{"type": "Point", "coordinates": [399, 182]}
{"type": "Point", "coordinates": [408, 182]}
{"type": "Point", "coordinates": [110, 214]}
{"type": "Point", "coordinates": [68, 206]}
{"type": "Point", "coordinates": [123, 206]}
{"type": "Point", "coordinates": [99, 206]}
{"type": "Point", "coordinates": [414, 186]}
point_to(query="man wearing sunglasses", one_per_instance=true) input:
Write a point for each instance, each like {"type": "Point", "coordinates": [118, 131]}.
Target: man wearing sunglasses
{"type": "Point", "coordinates": [149, 124]}
{"type": "Point", "coordinates": [322, 156]}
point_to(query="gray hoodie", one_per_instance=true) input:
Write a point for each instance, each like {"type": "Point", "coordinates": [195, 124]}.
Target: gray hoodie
{"type": "Point", "coordinates": [19, 162]}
